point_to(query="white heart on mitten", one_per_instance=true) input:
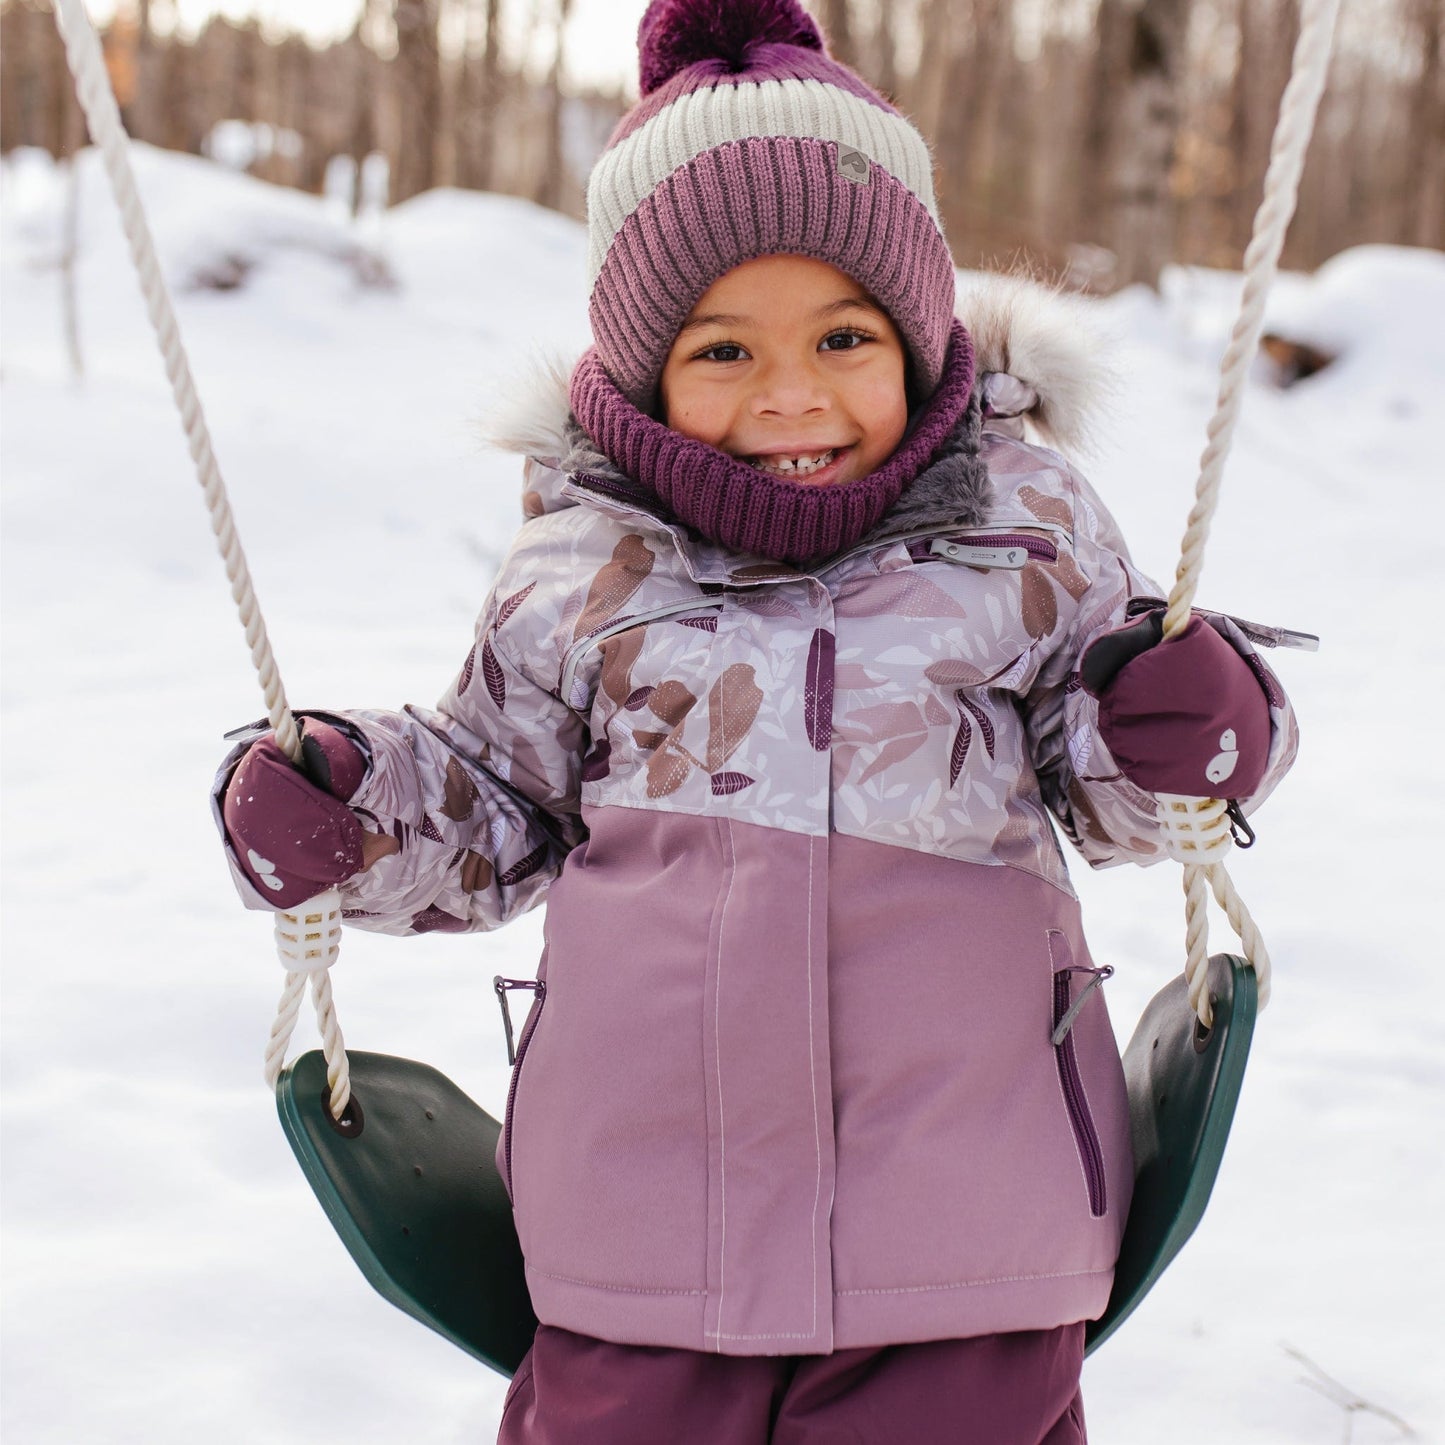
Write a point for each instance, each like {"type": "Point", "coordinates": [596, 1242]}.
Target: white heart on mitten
{"type": "Point", "coordinates": [265, 868]}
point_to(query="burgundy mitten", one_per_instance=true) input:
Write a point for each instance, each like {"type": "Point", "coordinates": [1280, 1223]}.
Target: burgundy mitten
{"type": "Point", "coordinates": [293, 838]}
{"type": "Point", "coordinates": [1185, 716]}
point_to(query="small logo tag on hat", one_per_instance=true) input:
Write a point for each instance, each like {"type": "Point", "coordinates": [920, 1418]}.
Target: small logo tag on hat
{"type": "Point", "coordinates": [853, 164]}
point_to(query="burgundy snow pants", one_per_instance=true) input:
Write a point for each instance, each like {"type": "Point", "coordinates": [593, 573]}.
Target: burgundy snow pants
{"type": "Point", "coordinates": [1012, 1389]}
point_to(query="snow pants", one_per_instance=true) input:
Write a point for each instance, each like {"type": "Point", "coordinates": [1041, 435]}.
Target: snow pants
{"type": "Point", "coordinates": [1010, 1389]}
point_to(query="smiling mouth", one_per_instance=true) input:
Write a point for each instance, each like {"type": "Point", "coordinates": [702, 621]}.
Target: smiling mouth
{"type": "Point", "coordinates": [803, 464]}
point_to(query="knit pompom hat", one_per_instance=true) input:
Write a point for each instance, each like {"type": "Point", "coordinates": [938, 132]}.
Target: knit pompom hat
{"type": "Point", "coordinates": [749, 140]}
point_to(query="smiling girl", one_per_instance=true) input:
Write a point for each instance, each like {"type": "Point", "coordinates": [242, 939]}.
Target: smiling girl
{"type": "Point", "coordinates": [817, 1130]}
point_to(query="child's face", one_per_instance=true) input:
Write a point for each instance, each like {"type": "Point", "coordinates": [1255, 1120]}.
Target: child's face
{"type": "Point", "coordinates": [789, 365]}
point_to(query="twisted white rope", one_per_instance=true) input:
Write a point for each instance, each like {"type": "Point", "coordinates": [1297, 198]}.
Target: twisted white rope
{"type": "Point", "coordinates": [1292, 133]}
{"type": "Point", "coordinates": [97, 100]}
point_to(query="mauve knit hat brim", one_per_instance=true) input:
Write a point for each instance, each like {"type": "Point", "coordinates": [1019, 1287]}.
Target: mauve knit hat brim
{"type": "Point", "coordinates": [751, 141]}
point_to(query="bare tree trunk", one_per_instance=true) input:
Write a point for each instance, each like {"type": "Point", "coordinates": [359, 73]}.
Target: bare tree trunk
{"type": "Point", "coordinates": [838, 27]}
{"type": "Point", "coordinates": [418, 99]}
{"type": "Point", "coordinates": [552, 182]}
{"type": "Point", "coordinates": [1427, 123]}
{"type": "Point", "coordinates": [1144, 70]}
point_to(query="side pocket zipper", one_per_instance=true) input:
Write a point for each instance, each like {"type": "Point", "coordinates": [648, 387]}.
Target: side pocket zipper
{"type": "Point", "coordinates": [1086, 1137]}
{"type": "Point", "coordinates": [517, 1054]}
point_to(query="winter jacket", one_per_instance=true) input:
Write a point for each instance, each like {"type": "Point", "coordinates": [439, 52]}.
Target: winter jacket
{"type": "Point", "coordinates": [789, 1084]}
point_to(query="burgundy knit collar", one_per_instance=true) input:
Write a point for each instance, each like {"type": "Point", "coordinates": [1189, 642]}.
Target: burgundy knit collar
{"type": "Point", "coordinates": [744, 509]}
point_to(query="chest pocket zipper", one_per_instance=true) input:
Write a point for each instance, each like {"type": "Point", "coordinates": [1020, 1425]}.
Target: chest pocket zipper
{"type": "Point", "coordinates": [583, 646]}
{"type": "Point", "coordinates": [998, 551]}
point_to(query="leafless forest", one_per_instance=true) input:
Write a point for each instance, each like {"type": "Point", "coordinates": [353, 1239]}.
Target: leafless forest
{"type": "Point", "coordinates": [1095, 140]}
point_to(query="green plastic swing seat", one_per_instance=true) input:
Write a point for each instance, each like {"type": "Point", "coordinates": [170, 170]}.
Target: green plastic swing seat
{"type": "Point", "coordinates": [409, 1180]}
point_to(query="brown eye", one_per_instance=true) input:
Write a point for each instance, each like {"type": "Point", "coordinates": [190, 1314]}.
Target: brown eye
{"type": "Point", "coordinates": [723, 351]}
{"type": "Point", "coordinates": [844, 340]}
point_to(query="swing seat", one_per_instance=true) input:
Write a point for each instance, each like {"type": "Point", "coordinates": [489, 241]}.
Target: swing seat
{"type": "Point", "coordinates": [409, 1182]}
{"type": "Point", "coordinates": [409, 1178]}
{"type": "Point", "coordinates": [1183, 1086]}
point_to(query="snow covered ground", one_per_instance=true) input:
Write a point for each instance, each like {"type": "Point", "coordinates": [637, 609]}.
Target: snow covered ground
{"type": "Point", "coordinates": [167, 1275]}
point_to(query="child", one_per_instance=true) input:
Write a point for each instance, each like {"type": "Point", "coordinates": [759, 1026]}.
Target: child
{"type": "Point", "coordinates": [800, 650]}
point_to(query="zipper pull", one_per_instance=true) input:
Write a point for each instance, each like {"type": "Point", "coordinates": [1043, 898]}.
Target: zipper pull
{"type": "Point", "coordinates": [1061, 1029]}
{"type": "Point", "coordinates": [1012, 559]}
{"type": "Point", "coordinates": [501, 986]}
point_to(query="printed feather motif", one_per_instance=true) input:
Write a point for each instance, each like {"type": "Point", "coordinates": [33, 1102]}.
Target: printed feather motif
{"type": "Point", "coordinates": [818, 690]}
{"type": "Point", "coordinates": [1040, 607]}
{"type": "Point", "coordinates": [732, 706]}
{"type": "Point", "coordinates": [615, 583]}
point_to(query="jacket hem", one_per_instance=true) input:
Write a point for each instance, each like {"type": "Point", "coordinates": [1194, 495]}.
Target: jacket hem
{"type": "Point", "coordinates": [862, 1319]}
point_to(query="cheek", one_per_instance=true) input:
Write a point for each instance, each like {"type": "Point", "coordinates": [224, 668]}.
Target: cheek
{"type": "Point", "coordinates": [887, 414]}
{"type": "Point", "coordinates": [694, 412]}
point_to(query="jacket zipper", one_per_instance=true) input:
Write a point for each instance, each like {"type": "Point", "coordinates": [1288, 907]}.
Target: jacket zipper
{"type": "Point", "coordinates": [515, 1057]}
{"type": "Point", "coordinates": [582, 646]}
{"type": "Point", "coordinates": [1086, 1138]}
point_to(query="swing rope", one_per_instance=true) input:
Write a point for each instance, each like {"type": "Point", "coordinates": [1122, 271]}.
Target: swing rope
{"type": "Point", "coordinates": [1197, 830]}
{"type": "Point", "coordinates": [97, 100]}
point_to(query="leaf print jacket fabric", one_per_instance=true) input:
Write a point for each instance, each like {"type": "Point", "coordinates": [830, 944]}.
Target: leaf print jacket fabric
{"type": "Point", "coordinates": [791, 1087]}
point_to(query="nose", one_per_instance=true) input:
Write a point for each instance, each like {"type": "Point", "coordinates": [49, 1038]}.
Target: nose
{"type": "Point", "coordinates": [789, 389]}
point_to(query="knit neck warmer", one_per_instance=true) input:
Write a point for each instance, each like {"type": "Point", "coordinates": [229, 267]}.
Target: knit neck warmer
{"type": "Point", "coordinates": [747, 510]}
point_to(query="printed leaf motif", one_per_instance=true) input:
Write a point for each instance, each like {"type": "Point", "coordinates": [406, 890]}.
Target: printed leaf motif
{"type": "Point", "coordinates": [672, 702]}
{"type": "Point", "coordinates": [935, 712]}
{"type": "Point", "coordinates": [882, 721]}
{"type": "Point", "coordinates": [1066, 572]}
{"type": "Point", "coordinates": [704, 622]}
{"type": "Point", "coordinates": [767, 605]}
{"type": "Point", "coordinates": [512, 603]}
{"type": "Point", "coordinates": [961, 744]}
{"type": "Point", "coordinates": [818, 691]}
{"type": "Point", "coordinates": [854, 677]}
{"type": "Point", "coordinates": [375, 846]}
{"type": "Point", "coordinates": [985, 723]}
{"type": "Point", "coordinates": [725, 783]}
{"type": "Point", "coordinates": [465, 680]}
{"type": "Point", "coordinates": [476, 873]}
{"type": "Point", "coordinates": [524, 867]}
{"type": "Point", "coordinates": [667, 770]}
{"type": "Point", "coordinates": [493, 676]}
{"type": "Point", "coordinates": [430, 830]}
{"type": "Point", "coordinates": [615, 583]}
{"type": "Point", "coordinates": [1046, 509]}
{"type": "Point", "coordinates": [1040, 607]}
{"type": "Point", "coordinates": [619, 653]}
{"type": "Point", "coordinates": [649, 740]}
{"type": "Point", "coordinates": [1085, 814]}
{"type": "Point", "coordinates": [460, 795]}
{"type": "Point", "coordinates": [952, 672]}
{"type": "Point", "coordinates": [897, 594]}
{"type": "Point", "coordinates": [434, 920]}
{"type": "Point", "coordinates": [596, 765]}
{"type": "Point", "coordinates": [637, 698]}
{"type": "Point", "coordinates": [732, 707]}
{"type": "Point", "coordinates": [893, 752]}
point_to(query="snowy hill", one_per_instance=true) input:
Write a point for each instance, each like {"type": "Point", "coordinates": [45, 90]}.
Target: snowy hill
{"type": "Point", "coordinates": [167, 1275]}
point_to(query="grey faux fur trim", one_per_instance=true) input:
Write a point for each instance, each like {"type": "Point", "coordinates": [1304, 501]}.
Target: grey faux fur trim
{"type": "Point", "coordinates": [1049, 340]}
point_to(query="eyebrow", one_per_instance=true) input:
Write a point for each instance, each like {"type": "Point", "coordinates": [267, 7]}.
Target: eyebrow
{"type": "Point", "coordinates": [728, 319]}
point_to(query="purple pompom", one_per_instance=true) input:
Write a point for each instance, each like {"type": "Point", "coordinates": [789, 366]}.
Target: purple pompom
{"type": "Point", "coordinates": [677, 33]}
